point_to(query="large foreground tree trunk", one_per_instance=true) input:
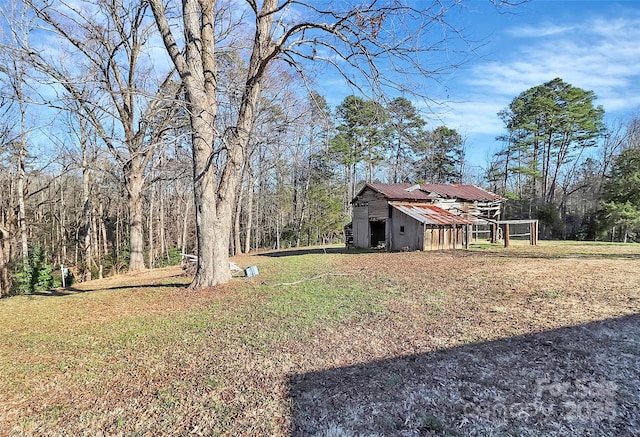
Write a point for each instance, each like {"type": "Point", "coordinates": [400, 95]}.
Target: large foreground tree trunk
{"type": "Point", "coordinates": [211, 235]}
{"type": "Point", "coordinates": [135, 182]}
{"type": "Point", "coordinates": [196, 64]}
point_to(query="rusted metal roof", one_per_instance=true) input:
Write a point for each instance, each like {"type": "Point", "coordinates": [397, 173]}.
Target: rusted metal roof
{"type": "Point", "coordinates": [465, 192]}
{"type": "Point", "coordinates": [431, 214]}
{"type": "Point", "coordinates": [427, 192]}
{"type": "Point", "coordinates": [397, 191]}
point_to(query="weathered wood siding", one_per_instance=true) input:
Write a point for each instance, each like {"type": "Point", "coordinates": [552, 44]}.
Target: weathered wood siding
{"type": "Point", "coordinates": [369, 206]}
{"type": "Point", "coordinates": [443, 238]}
{"type": "Point", "coordinates": [361, 232]}
{"type": "Point", "coordinates": [457, 206]}
{"type": "Point", "coordinates": [405, 232]}
{"type": "Point", "coordinates": [378, 205]}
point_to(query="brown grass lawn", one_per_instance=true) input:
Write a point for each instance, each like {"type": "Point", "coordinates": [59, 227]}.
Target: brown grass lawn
{"type": "Point", "coordinates": [515, 342]}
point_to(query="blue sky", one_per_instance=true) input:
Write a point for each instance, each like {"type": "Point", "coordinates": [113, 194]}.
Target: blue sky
{"type": "Point", "coordinates": [594, 45]}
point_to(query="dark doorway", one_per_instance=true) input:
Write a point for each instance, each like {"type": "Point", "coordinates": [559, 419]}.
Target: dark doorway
{"type": "Point", "coordinates": [378, 234]}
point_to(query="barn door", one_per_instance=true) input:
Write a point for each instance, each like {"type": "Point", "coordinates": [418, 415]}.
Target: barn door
{"type": "Point", "coordinates": [378, 233]}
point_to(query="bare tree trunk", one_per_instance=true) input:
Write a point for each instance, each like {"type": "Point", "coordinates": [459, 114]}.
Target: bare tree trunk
{"type": "Point", "coordinates": [87, 258]}
{"type": "Point", "coordinates": [197, 68]}
{"type": "Point", "coordinates": [237, 244]}
{"type": "Point", "coordinates": [86, 215]}
{"type": "Point", "coordinates": [118, 250]}
{"type": "Point", "coordinates": [93, 235]}
{"type": "Point", "coordinates": [76, 248]}
{"type": "Point", "coordinates": [13, 70]}
{"type": "Point", "coordinates": [249, 212]}
{"type": "Point", "coordinates": [185, 221]}
{"type": "Point", "coordinates": [150, 229]}
{"type": "Point", "coordinates": [305, 195]}
{"type": "Point", "coordinates": [213, 215]}
{"type": "Point", "coordinates": [134, 184]}
{"type": "Point", "coordinates": [55, 211]}
{"type": "Point", "coordinates": [260, 221]}
{"type": "Point", "coordinates": [63, 227]}
{"type": "Point", "coordinates": [20, 188]}
{"type": "Point", "coordinates": [352, 187]}
{"type": "Point", "coordinates": [104, 249]}
{"type": "Point", "coordinates": [164, 247]}
{"type": "Point", "coordinates": [103, 233]}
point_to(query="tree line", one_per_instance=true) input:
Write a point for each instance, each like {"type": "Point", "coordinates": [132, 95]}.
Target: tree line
{"type": "Point", "coordinates": [304, 160]}
{"type": "Point", "coordinates": [118, 158]}
{"type": "Point", "coordinates": [141, 93]}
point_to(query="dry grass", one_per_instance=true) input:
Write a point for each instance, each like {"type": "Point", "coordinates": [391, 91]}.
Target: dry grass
{"type": "Point", "coordinates": [518, 341]}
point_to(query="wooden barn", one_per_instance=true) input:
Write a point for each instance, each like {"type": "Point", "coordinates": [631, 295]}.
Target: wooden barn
{"type": "Point", "coordinates": [420, 217]}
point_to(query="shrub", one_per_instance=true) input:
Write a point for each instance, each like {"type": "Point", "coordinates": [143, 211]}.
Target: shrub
{"type": "Point", "coordinates": [34, 274]}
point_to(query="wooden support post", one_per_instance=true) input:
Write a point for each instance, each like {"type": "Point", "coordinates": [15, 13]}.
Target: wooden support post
{"type": "Point", "coordinates": [469, 232]}
{"type": "Point", "coordinates": [494, 232]}
{"type": "Point", "coordinates": [455, 236]}
{"type": "Point", "coordinates": [531, 234]}
{"type": "Point", "coordinates": [506, 235]}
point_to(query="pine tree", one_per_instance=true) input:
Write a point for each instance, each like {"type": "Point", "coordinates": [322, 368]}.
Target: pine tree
{"type": "Point", "coordinates": [621, 209]}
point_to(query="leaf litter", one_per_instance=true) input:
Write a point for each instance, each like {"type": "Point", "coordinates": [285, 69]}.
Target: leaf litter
{"type": "Point", "coordinates": [526, 341]}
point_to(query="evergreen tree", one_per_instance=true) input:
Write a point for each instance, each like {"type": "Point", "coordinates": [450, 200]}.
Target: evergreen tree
{"type": "Point", "coordinates": [621, 209]}
{"type": "Point", "coordinates": [547, 127]}
{"type": "Point", "coordinates": [405, 128]}
{"type": "Point", "coordinates": [35, 274]}
{"type": "Point", "coordinates": [359, 141]}
{"type": "Point", "coordinates": [439, 155]}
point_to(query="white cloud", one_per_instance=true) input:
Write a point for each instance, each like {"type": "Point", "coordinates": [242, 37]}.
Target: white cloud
{"type": "Point", "coordinates": [601, 54]}
{"type": "Point", "coordinates": [538, 31]}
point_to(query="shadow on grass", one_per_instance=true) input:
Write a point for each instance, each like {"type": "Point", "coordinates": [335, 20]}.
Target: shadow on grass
{"type": "Point", "coordinates": [317, 251]}
{"type": "Point", "coordinates": [576, 381]}
{"type": "Point", "coordinates": [57, 292]}
{"type": "Point", "coordinates": [73, 290]}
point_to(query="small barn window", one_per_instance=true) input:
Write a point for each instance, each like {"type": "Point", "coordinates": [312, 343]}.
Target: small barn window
{"type": "Point", "coordinates": [401, 230]}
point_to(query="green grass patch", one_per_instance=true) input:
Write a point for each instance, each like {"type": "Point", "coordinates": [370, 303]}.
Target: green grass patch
{"type": "Point", "coordinates": [84, 335]}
